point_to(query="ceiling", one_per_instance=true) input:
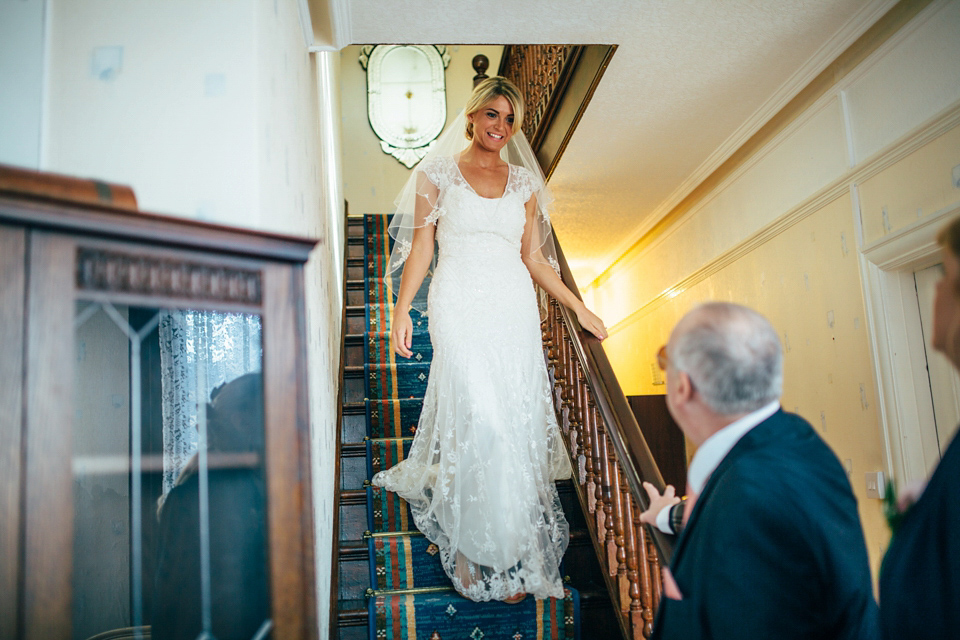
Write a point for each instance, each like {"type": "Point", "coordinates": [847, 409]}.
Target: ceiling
{"type": "Point", "coordinates": [690, 82]}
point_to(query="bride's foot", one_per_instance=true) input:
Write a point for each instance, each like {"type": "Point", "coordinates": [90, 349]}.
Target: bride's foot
{"type": "Point", "coordinates": [462, 571]}
{"type": "Point", "coordinates": [516, 598]}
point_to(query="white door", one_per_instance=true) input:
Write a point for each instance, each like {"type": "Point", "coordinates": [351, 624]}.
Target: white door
{"type": "Point", "coordinates": [944, 381]}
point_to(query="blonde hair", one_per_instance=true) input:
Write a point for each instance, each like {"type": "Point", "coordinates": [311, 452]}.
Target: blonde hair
{"type": "Point", "coordinates": [488, 91]}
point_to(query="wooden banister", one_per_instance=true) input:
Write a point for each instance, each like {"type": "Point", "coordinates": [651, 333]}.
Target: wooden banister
{"type": "Point", "coordinates": [610, 459]}
{"type": "Point", "coordinates": [631, 448]}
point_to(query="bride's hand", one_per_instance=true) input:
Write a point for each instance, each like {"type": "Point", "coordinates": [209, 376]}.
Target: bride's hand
{"type": "Point", "coordinates": [402, 332]}
{"type": "Point", "coordinates": [589, 321]}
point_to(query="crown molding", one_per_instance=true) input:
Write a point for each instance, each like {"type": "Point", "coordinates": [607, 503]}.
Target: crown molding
{"type": "Point", "coordinates": [306, 22]}
{"type": "Point", "coordinates": [341, 22]}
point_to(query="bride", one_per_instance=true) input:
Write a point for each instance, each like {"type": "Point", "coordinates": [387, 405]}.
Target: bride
{"type": "Point", "coordinates": [480, 474]}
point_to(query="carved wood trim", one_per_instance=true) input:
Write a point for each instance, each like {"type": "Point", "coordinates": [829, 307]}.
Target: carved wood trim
{"type": "Point", "coordinates": [538, 71]}
{"type": "Point", "coordinates": [557, 82]}
{"type": "Point", "coordinates": [118, 272]}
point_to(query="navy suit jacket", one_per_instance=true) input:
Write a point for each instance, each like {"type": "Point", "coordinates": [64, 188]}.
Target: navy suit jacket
{"type": "Point", "coordinates": [920, 577]}
{"type": "Point", "coordinates": [773, 547]}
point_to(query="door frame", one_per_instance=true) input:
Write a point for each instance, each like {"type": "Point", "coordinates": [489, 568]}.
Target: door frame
{"type": "Point", "coordinates": [905, 406]}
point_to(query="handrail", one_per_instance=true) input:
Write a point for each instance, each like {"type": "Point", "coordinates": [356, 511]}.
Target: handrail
{"type": "Point", "coordinates": [611, 460]}
{"type": "Point", "coordinates": [631, 446]}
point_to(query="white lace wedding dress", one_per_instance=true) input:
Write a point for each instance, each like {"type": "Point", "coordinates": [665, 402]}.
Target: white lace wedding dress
{"type": "Point", "coordinates": [480, 473]}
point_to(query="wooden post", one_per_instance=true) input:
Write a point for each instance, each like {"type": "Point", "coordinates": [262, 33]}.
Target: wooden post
{"type": "Point", "coordinates": [480, 64]}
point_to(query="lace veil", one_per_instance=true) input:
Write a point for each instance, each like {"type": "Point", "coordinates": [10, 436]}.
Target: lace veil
{"type": "Point", "coordinates": [421, 203]}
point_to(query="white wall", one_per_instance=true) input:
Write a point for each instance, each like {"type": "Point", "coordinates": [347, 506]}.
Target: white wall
{"type": "Point", "coordinates": [177, 119]}
{"type": "Point", "coordinates": [324, 280]}
{"type": "Point", "coordinates": [21, 81]}
{"type": "Point", "coordinates": [214, 114]}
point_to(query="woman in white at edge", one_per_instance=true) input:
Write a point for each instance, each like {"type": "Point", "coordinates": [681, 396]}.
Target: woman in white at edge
{"type": "Point", "coordinates": [480, 473]}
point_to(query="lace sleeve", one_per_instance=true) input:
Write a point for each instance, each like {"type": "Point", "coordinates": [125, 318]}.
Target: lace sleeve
{"type": "Point", "coordinates": [527, 183]}
{"type": "Point", "coordinates": [435, 172]}
{"type": "Point", "coordinates": [432, 179]}
{"type": "Point", "coordinates": [418, 205]}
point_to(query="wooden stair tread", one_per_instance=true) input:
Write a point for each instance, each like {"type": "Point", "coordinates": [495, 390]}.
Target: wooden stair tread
{"type": "Point", "coordinates": [353, 497]}
{"type": "Point", "coordinates": [354, 550]}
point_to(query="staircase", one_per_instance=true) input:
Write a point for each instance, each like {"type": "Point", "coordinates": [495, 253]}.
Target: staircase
{"type": "Point", "coordinates": [390, 583]}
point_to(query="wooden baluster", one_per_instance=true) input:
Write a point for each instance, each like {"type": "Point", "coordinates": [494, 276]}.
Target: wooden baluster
{"type": "Point", "coordinates": [559, 381]}
{"type": "Point", "coordinates": [590, 476]}
{"type": "Point", "coordinates": [624, 532]}
{"type": "Point", "coordinates": [595, 431]}
{"type": "Point", "coordinates": [568, 377]}
{"type": "Point", "coordinates": [646, 575]}
{"type": "Point", "coordinates": [569, 355]}
{"type": "Point", "coordinates": [547, 340]}
{"type": "Point", "coordinates": [558, 375]}
{"type": "Point", "coordinates": [612, 508]}
{"type": "Point", "coordinates": [618, 568]}
{"type": "Point", "coordinates": [653, 560]}
{"type": "Point", "coordinates": [556, 326]}
{"type": "Point", "coordinates": [582, 457]}
{"type": "Point", "coordinates": [584, 395]}
{"type": "Point", "coordinates": [606, 478]}
{"type": "Point", "coordinates": [609, 489]}
{"type": "Point", "coordinates": [552, 354]}
{"type": "Point", "coordinates": [574, 417]}
{"type": "Point", "coordinates": [633, 561]}
{"type": "Point", "coordinates": [576, 405]}
{"type": "Point", "coordinates": [546, 335]}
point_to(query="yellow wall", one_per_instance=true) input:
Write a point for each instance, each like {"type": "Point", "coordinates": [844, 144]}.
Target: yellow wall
{"type": "Point", "coordinates": [783, 233]}
{"type": "Point", "coordinates": [809, 288]}
{"type": "Point", "coordinates": [371, 178]}
{"type": "Point", "coordinates": [913, 188]}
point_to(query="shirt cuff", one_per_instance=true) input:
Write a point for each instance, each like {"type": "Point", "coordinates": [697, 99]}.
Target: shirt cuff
{"type": "Point", "coordinates": [663, 520]}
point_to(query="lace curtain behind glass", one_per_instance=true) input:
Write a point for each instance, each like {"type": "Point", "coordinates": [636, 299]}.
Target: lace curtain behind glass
{"type": "Point", "coordinates": [199, 351]}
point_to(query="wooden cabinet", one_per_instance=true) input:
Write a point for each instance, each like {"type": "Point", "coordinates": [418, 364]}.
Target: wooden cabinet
{"type": "Point", "coordinates": [154, 449]}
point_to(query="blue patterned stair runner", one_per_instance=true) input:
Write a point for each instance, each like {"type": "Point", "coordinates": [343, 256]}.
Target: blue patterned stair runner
{"type": "Point", "coordinates": [401, 558]}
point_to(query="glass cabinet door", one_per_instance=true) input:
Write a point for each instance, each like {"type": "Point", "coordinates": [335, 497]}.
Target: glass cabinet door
{"type": "Point", "coordinates": [155, 503]}
{"type": "Point", "coordinates": [169, 493]}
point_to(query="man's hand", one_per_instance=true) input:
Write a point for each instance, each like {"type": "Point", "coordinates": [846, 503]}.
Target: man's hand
{"type": "Point", "coordinates": [658, 502]}
{"type": "Point", "coordinates": [670, 588]}
{"type": "Point", "coordinates": [909, 494]}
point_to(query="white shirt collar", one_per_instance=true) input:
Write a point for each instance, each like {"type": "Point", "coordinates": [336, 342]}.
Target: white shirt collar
{"type": "Point", "coordinates": [715, 448]}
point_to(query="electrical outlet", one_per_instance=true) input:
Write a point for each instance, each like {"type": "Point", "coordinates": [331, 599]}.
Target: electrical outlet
{"type": "Point", "coordinates": [657, 375]}
{"type": "Point", "coordinates": [875, 486]}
